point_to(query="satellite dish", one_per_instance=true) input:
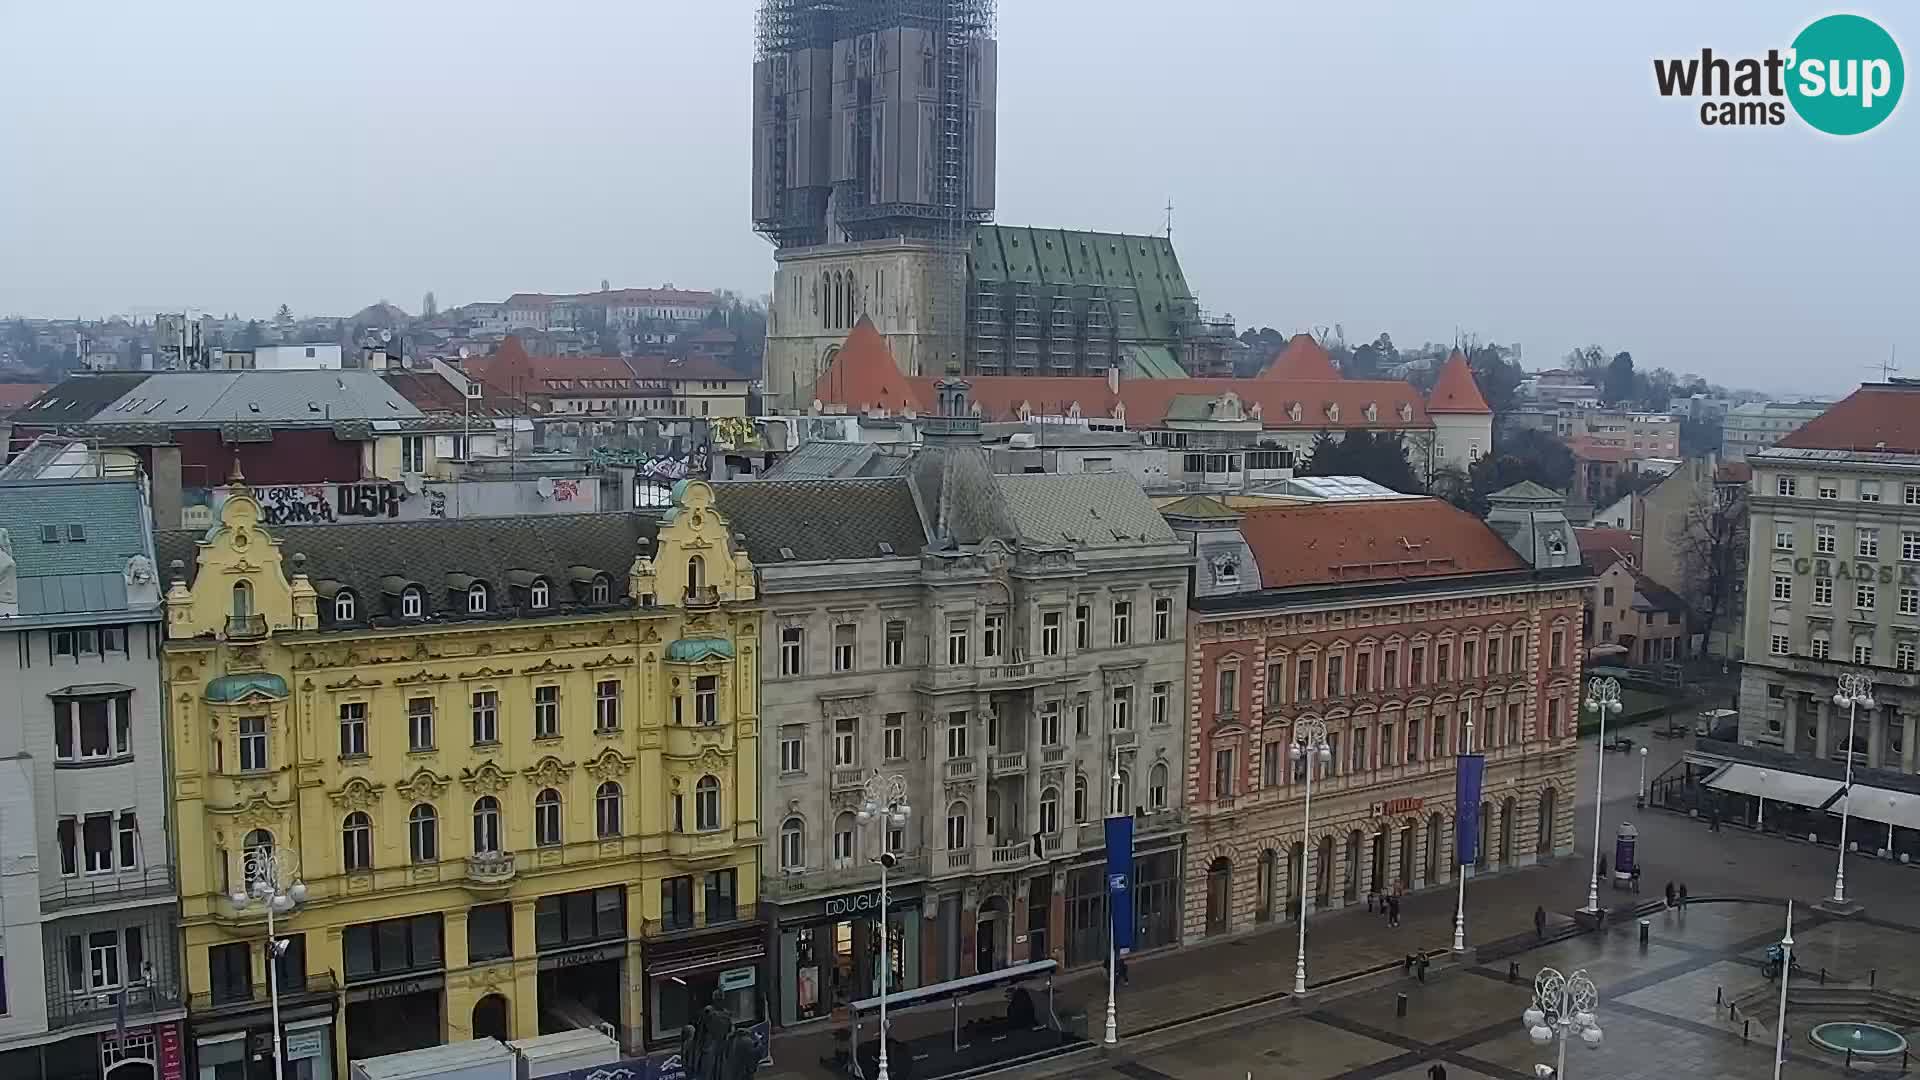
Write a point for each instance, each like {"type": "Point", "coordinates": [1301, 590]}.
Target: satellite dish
{"type": "Point", "coordinates": [465, 352]}
{"type": "Point", "coordinates": [544, 486]}
{"type": "Point", "coordinates": [386, 335]}
{"type": "Point", "coordinates": [412, 483]}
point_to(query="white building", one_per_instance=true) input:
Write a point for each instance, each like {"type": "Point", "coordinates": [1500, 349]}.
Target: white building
{"type": "Point", "coordinates": [1756, 425]}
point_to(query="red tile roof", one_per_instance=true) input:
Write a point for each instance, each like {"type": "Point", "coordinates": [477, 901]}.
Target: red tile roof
{"type": "Point", "coordinates": [1602, 547]}
{"type": "Point", "coordinates": [1373, 540]}
{"type": "Point", "coordinates": [434, 395]}
{"type": "Point", "coordinates": [1303, 358]}
{"type": "Point", "coordinates": [512, 370]}
{"type": "Point", "coordinates": [664, 297]}
{"type": "Point", "coordinates": [14, 395]}
{"type": "Point", "coordinates": [1878, 416]}
{"type": "Point", "coordinates": [1455, 390]}
{"type": "Point", "coordinates": [1733, 472]}
{"type": "Point", "coordinates": [1587, 450]}
{"type": "Point", "coordinates": [863, 375]}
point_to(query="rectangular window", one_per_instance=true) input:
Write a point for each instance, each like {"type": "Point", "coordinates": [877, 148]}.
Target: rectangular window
{"type": "Point", "coordinates": [546, 712]}
{"type": "Point", "coordinates": [1782, 536]}
{"type": "Point", "coordinates": [1864, 596]}
{"type": "Point", "coordinates": [489, 932]}
{"type": "Point", "coordinates": [1223, 774]}
{"type": "Point", "coordinates": [129, 840]}
{"type": "Point", "coordinates": [1226, 701]}
{"type": "Point", "coordinates": [253, 743]}
{"type": "Point", "coordinates": [1050, 722]}
{"type": "Point", "coordinates": [1912, 497]}
{"type": "Point", "coordinates": [676, 903]}
{"type": "Point", "coordinates": [577, 918]}
{"type": "Point", "coordinates": [1867, 542]}
{"type": "Point", "coordinates": [706, 700]}
{"type": "Point", "coordinates": [419, 724]}
{"type": "Point", "coordinates": [1781, 645]}
{"type": "Point", "coordinates": [1162, 704]}
{"type": "Point", "coordinates": [958, 635]}
{"type": "Point", "coordinates": [893, 736]}
{"type": "Point", "coordinates": [993, 636]}
{"type": "Point", "coordinates": [486, 717]}
{"type": "Point", "coordinates": [793, 641]}
{"type": "Point", "coordinates": [1360, 763]}
{"type": "Point", "coordinates": [956, 734]}
{"type": "Point", "coordinates": [1829, 489]}
{"type": "Point", "coordinates": [1863, 653]}
{"type": "Point", "coordinates": [353, 729]}
{"type": "Point", "coordinates": [1122, 708]}
{"type": "Point", "coordinates": [606, 705]}
{"type": "Point", "coordinates": [1553, 718]}
{"type": "Point", "coordinates": [1443, 663]}
{"type": "Point", "coordinates": [91, 729]}
{"type": "Point", "coordinates": [896, 643]}
{"type": "Point", "coordinates": [1122, 622]}
{"type": "Point", "coordinates": [1363, 673]}
{"type": "Point", "coordinates": [1469, 659]}
{"type": "Point", "coordinates": [413, 451]}
{"type": "Point", "coordinates": [1336, 675]}
{"type": "Point", "coordinates": [792, 756]}
{"type": "Point", "coordinates": [1272, 759]}
{"type": "Point", "coordinates": [1418, 675]}
{"type": "Point", "coordinates": [1783, 587]}
{"type": "Point", "coordinates": [230, 972]}
{"type": "Point", "coordinates": [1823, 592]}
{"type": "Point", "coordinates": [1870, 491]}
{"type": "Point", "coordinates": [721, 890]}
{"type": "Point", "coordinates": [67, 832]}
{"type": "Point", "coordinates": [1082, 627]}
{"type": "Point", "coordinates": [1557, 650]}
{"type": "Point", "coordinates": [845, 646]}
{"type": "Point", "coordinates": [1824, 540]}
{"type": "Point", "coordinates": [96, 840]}
{"type": "Point", "coordinates": [1162, 618]}
{"type": "Point", "coordinates": [1903, 656]}
{"type": "Point", "coordinates": [1910, 600]}
{"type": "Point", "coordinates": [1513, 725]}
{"type": "Point", "coordinates": [1786, 485]}
{"type": "Point", "coordinates": [1303, 681]}
{"type": "Point", "coordinates": [1413, 740]}
{"type": "Point", "coordinates": [1050, 633]}
{"type": "Point", "coordinates": [846, 742]}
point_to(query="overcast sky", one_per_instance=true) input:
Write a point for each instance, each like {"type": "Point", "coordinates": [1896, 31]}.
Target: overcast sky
{"type": "Point", "coordinates": [1506, 169]}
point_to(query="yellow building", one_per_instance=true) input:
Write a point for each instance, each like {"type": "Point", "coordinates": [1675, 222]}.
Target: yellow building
{"type": "Point", "coordinates": [512, 760]}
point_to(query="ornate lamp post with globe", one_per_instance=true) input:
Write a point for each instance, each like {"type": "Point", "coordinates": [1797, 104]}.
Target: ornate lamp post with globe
{"type": "Point", "coordinates": [1309, 746]}
{"type": "Point", "coordinates": [1562, 1004]}
{"type": "Point", "coordinates": [885, 798]}
{"type": "Point", "coordinates": [1855, 692]}
{"type": "Point", "coordinates": [1603, 697]}
{"type": "Point", "coordinates": [273, 885]}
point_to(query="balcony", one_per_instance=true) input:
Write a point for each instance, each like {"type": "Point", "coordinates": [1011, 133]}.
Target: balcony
{"type": "Point", "coordinates": [94, 1007]}
{"type": "Point", "coordinates": [849, 779]}
{"type": "Point", "coordinates": [838, 879]}
{"type": "Point", "coordinates": [960, 768]}
{"type": "Point", "coordinates": [700, 845]}
{"type": "Point", "coordinates": [961, 859]}
{"type": "Point", "coordinates": [490, 870]}
{"type": "Point", "coordinates": [702, 596]}
{"type": "Point", "coordinates": [1125, 740]}
{"type": "Point", "coordinates": [246, 627]}
{"type": "Point", "coordinates": [1053, 755]}
{"type": "Point", "coordinates": [687, 741]}
{"type": "Point", "coordinates": [993, 674]}
{"type": "Point", "coordinates": [1008, 855]}
{"type": "Point", "coordinates": [153, 883]}
{"type": "Point", "coordinates": [1013, 764]}
{"type": "Point", "coordinates": [316, 986]}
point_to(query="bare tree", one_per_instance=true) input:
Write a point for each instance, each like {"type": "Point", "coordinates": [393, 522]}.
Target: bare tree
{"type": "Point", "coordinates": [1711, 542]}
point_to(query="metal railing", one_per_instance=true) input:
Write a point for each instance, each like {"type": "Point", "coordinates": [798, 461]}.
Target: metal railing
{"type": "Point", "coordinates": [93, 1006]}
{"type": "Point", "coordinates": [154, 882]}
{"type": "Point", "coordinates": [245, 627]}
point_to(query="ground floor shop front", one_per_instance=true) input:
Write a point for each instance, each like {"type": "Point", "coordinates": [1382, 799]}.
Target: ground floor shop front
{"type": "Point", "coordinates": [143, 1050]}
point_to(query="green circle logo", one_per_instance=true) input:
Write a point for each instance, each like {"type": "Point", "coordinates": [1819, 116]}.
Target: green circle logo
{"type": "Point", "coordinates": [1846, 75]}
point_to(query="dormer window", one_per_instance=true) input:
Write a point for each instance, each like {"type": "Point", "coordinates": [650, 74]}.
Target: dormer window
{"type": "Point", "coordinates": [602, 591]}
{"type": "Point", "coordinates": [476, 599]}
{"type": "Point", "coordinates": [537, 596]}
{"type": "Point", "coordinates": [412, 603]}
{"type": "Point", "coordinates": [242, 599]}
{"type": "Point", "coordinates": [343, 606]}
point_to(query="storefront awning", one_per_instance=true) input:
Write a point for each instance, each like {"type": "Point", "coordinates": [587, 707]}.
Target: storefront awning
{"type": "Point", "coordinates": [960, 987]}
{"type": "Point", "coordinates": [1886, 807]}
{"type": "Point", "coordinates": [1774, 785]}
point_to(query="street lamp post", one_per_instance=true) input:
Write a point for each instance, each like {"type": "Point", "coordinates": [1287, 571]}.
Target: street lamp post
{"type": "Point", "coordinates": [1309, 746]}
{"type": "Point", "coordinates": [1856, 690]}
{"type": "Point", "coordinates": [1562, 1004]}
{"type": "Point", "coordinates": [1603, 697]}
{"type": "Point", "coordinates": [1460, 870]}
{"type": "Point", "coordinates": [1112, 1034]}
{"type": "Point", "coordinates": [272, 883]}
{"type": "Point", "coordinates": [885, 797]}
{"type": "Point", "coordinates": [1786, 972]}
{"type": "Point", "coordinates": [1641, 799]}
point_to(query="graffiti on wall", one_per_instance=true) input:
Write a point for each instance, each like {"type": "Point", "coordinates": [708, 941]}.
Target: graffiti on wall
{"type": "Point", "coordinates": [379, 500]}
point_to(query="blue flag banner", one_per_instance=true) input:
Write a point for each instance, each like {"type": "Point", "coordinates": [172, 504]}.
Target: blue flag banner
{"type": "Point", "coordinates": [1471, 770]}
{"type": "Point", "coordinates": [1120, 880]}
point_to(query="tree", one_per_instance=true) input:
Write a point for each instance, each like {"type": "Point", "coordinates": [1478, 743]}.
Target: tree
{"type": "Point", "coordinates": [1518, 454]}
{"type": "Point", "coordinates": [284, 315]}
{"type": "Point", "coordinates": [1711, 542]}
{"type": "Point", "coordinates": [1619, 384]}
{"type": "Point", "coordinates": [1378, 456]}
{"type": "Point", "coordinates": [1497, 374]}
{"type": "Point", "coordinates": [429, 307]}
{"type": "Point", "coordinates": [1370, 359]}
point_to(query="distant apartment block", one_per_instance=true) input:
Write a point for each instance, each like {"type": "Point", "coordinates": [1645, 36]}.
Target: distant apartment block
{"type": "Point", "coordinates": [1756, 425]}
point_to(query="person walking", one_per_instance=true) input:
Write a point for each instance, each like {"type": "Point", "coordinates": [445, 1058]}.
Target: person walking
{"type": "Point", "coordinates": [1393, 909]}
{"type": "Point", "coordinates": [1436, 1071]}
{"type": "Point", "coordinates": [1636, 877]}
{"type": "Point", "coordinates": [1669, 894]}
{"type": "Point", "coordinates": [1539, 924]}
{"type": "Point", "coordinates": [1683, 896]}
{"type": "Point", "coordinates": [1603, 866]}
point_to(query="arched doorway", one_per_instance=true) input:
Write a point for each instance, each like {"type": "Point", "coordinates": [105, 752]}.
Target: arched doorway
{"type": "Point", "coordinates": [1377, 877]}
{"type": "Point", "coordinates": [989, 935]}
{"type": "Point", "coordinates": [1433, 849]}
{"type": "Point", "coordinates": [1480, 855]}
{"type": "Point", "coordinates": [1296, 876]}
{"type": "Point", "coordinates": [1406, 857]}
{"type": "Point", "coordinates": [1506, 831]}
{"type": "Point", "coordinates": [1351, 891]}
{"type": "Point", "coordinates": [1543, 843]}
{"type": "Point", "coordinates": [490, 1018]}
{"type": "Point", "coordinates": [1219, 895]}
{"type": "Point", "coordinates": [1323, 873]}
{"type": "Point", "coordinates": [1266, 886]}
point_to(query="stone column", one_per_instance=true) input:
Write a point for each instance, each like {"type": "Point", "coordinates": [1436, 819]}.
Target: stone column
{"type": "Point", "coordinates": [1790, 730]}
{"type": "Point", "coordinates": [1876, 736]}
{"type": "Point", "coordinates": [525, 1001]}
{"type": "Point", "coordinates": [1822, 744]}
{"type": "Point", "coordinates": [1905, 718]}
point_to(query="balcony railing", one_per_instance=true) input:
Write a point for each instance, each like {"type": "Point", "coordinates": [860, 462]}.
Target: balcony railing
{"type": "Point", "coordinates": [95, 1006]}
{"type": "Point", "coordinates": [1053, 755]}
{"type": "Point", "coordinates": [1013, 854]}
{"type": "Point", "coordinates": [702, 596]}
{"type": "Point", "coordinates": [492, 869]}
{"type": "Point", "coordinates": [835, 878]}
{"type": "Point", "coordinates": [849, 779]}
{"type": "Point", "coordinates": [961, 859]}
{"type": "Point", "coordinates": [246, 627]}
{"type": "Point", "coordinates": [155, 882]}
{"type": "Point", "coordinates": [959, 768]}
{"type": "Point", "coordinates": [1013, 764]}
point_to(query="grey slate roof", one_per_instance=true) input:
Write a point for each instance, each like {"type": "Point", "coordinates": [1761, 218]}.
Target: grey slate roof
{"type": "Point", "coordinates": [68, 575]}
{"type": "Point", "coordinates": [440, 555]}
{"type": "Point", "coordinates": [256, 397]}
{"type": "Point", "coordinates": [821, 519]}
{"type": "Point", "coordinates": [1083, 510]}
{"type": "Point", "coordinates": [77, 398]}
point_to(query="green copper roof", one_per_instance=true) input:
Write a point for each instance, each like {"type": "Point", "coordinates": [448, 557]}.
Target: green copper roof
{"type": "Point", "coordinates": [227, 689]}
{"type": "Point", "coordinates": [1071, 257]}
{"type": "Point", "coordinates": [693, 650]}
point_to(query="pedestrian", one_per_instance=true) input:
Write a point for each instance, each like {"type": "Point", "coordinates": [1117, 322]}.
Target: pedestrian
{"type": "Point", "coordinates": [1603, 868]}
{"type": "Point", "coordinates": [1539, 924]}
{"type": "Point", "coordinates": [1636, 877]}
{"type": "Point", "coordinates": [1393, 910]}
{"type": "Point", "coordinates": [1437, 1071]}
{"type": "Point", "coordinates": [1371, 894]}
{"type": "Point", "coordinates": [1683, 896]}
{"type": "Point", "coordinates": [1669, 894]}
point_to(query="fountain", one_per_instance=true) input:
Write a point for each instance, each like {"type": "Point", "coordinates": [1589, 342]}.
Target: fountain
{"type": "Point", "coordinates": [1863, 1039]}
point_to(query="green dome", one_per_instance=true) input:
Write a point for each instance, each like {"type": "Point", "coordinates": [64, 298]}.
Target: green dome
{"type": "Point", "coordinates": [230, 688]}
{"type": "Point", "coordinates": [693, 650]}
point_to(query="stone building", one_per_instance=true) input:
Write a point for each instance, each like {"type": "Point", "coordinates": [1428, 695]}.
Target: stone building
{"type": "Point", "coordinates": [90, 979]}
{"type": "Point", "coordinates": [1396, 622]}
{"type": "Point", "coordinates": [1011, 648]}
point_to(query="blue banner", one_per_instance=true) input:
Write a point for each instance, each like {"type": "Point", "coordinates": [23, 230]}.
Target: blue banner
{"type": "Point", "coordinates": [1120, 880]}
{"type": "Point", "coordinates": [1472, 769]}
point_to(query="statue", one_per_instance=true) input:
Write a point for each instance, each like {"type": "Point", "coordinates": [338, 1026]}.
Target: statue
{"type": "Point", "coordinates": [690, 1050]}
{"type": "Point", "coordinates": [743, 1057]}
{"type": "Point", "coordinates": [9, 571]}
{"type": "Point", "coordinates": [140, 570]}
{"type": "Point", "coordinates": [715, 1028]}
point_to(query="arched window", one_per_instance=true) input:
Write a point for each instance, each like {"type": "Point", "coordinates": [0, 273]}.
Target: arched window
{"type": "Point", "coordinates": [1050, 810]}
{"type": "Point", "coordinates": [423, 834]}
{"type": "Point", "coordinates": [242, 598]}
{"type": "Point", "coordinates": [412, 604]}
{"type": "Point", "coordinates": [546, 818]}
{"type": "Point", "coordinates": [957, 826]}
{"type": "Point", "coordinates": [476, 598]}
{"type": "Point", "coordinates": [696, 573]}
{"type": "Point", "coordinates": [1121, 795]}
{"type": "Point", "coordinates": [606, 810]}
{"type": "Point", "coordinates": [1157, 786]}
{"type": "Point", "coordinates": [793, 844]}
{"type": "Point", "coordinates": [843, 840]}
{"type": "Point", "coordinates": [255, 850]}
{"type": "Point", "coordinates": [356, 842]}
{"type": "Point", "coordinates": [538, 596]}
{"type": "Point", "coordinates": [706, 804]}
{"type": "Point", "coordinates": [1079, 799]}
{"type": "Point", "coordinates": [486, 825]}
{"type": "Point", "coordinates": [343, 606]}
{"type": "Point", "coordinates": [601, 591]}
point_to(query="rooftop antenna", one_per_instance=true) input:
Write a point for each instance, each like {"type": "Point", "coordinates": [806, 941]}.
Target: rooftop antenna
{"type": "Point", "coordinates": [1169, 220]}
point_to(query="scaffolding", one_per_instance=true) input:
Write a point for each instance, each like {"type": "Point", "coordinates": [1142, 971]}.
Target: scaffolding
{"type": "Point", "coordinates": [988, 321]}
{"type": "Point", "coordinates": [1026, 328]}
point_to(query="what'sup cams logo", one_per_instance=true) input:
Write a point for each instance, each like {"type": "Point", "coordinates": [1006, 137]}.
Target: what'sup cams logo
{"type": "Point", "coordinates": [1842, 76]}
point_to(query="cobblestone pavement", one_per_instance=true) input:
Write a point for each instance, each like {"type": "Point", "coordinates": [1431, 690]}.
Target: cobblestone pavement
{"type": "Point", "coordinates": [1714, 943]}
